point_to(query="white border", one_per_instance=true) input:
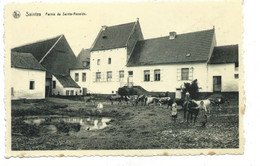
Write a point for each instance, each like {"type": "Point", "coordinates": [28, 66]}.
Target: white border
{"type": "Point", "coordinates": [251, 118]}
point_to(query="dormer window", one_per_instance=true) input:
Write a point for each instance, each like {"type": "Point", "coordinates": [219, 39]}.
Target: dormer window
{"type": "Point", "coordinates": [85, 63]}
{"type": "Point", "coordinates": [109, 60]}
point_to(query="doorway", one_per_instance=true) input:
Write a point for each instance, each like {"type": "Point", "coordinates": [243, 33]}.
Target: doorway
{"type": "Point", "coordinates": [217, 83]}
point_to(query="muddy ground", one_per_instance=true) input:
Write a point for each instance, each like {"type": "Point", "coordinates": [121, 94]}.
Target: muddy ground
{"type": "Point", "coordinates": [140, 127]}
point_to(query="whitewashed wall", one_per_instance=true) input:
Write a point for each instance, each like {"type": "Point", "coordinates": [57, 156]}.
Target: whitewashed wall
{"type": "Point", "coordinates": [61, 90]}
{"type": "Point", "coordinates": [119, 60]}
{"type": "Point", "coordinates": [227, 72]}
{"type": "Point", "coordinates": [20, 82]}
{"type": "Point", "coordinates": [81, 83]}
{"type": "Point", "coordinates": [170, 79]}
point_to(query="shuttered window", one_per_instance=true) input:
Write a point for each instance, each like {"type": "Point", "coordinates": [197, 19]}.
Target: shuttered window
{"type": "Point", "coordinates": [185, 74]}
{"type": "Point", "coordinates": [147, 75]}
{"type": "Point", "coordinates": [157, 75]}
{"type": "Point", "coordinates": [109, 76]}
{"type": "Point", "coordinates": [98, 76]}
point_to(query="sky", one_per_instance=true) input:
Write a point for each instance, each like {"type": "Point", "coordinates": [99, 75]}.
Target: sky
{"type": "Point", "coordinates": [156, 20]}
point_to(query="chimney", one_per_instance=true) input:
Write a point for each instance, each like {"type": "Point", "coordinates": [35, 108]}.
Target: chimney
{"type": "Point", "coordinates": [172, 35]}
{"type": "Point", "coordinates": [104, 27]}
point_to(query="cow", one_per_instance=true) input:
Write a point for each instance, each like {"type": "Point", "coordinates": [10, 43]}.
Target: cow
{"type": "Point", "coordinates": [207, 102]}
{"type": "Point", "coordinates": [151, 100]}
{"type": "Point", "coordinates": [142, 99]}
{"type": "Point", "coordinates": [191, 108]}
{"type": "Point", "coordinates": [115, 98]}
{"type": "Point", "coordinates": [166, 100]}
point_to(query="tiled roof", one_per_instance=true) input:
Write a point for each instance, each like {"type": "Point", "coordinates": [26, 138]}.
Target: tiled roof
{"type": "Point", "coordinates": [55, 54]}
{"type": "Point", "coordinates": [224, 54]}
{"type": "Point", "coordinates": [25, 61]}
{"type": "Point", "coordinates": [66, 81]}
{"type": "Point", "coordinates": [113, 37]}
{"type": "Point", "coordinates": [84, 55]}
{"type": "Point", "coordinates": [188, 47]}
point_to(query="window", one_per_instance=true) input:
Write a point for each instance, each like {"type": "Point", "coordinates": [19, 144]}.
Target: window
{"type": "Point", "coordinates": [71, 92]}
{"type": "Point", "coordinates": [109, 76]}
{"type": "Point", "coordinates": [130, 73]}
{"type": "Point", "coordinates": [76, 77]}
{"type": "Point", "coordinates": [185, 74]}
{"type": "Point", "coordinates": [109, 60]}
{"type": "Point", "coordinates": [84, 76]}
{"type": "Point", "coordinates": [98, 76]}
{"type": "Point", "coordinates": [12, 91]}
{"type": "Point", "coordinates": [53, 84]}
{"type": "Point", "coordinates": [147, 75]}
{"type": "Point", "coordinates": [236, 76]}
{"type": "Point", "coordinates": [67, 92]}
{"type": "Point", "coordinates": [121, 75]}
{"type": "Point", "coordinates": [98, 62]}
{"type": "Point", "coordinates": [157, 75]}
{"type": "Point", "coordinates": [32, 84]}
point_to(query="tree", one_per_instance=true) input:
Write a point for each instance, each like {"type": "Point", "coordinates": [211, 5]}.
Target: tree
{"type": "Point", "coordinates": [192, 88]}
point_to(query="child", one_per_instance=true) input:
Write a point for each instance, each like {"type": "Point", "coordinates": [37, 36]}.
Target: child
{"type": "Point", "coordinates": [174, 111]}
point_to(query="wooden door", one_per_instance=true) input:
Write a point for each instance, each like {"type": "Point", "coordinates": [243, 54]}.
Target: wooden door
{"type": "Point", "coordinates": [84, 91]}
{"type": "Point", "coordinates": [217, 83]}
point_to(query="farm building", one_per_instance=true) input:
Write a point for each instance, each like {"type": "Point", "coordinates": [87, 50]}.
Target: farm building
{"type": "Point", "coordinates": [80, 71]}
{"type": "Point", "coordinates": [27, 77]}
{"type": "Point", "coordinates": [120, 56]}
{"type": "Point", "coordinates": [54, 54]}
{"type": "Point", "coordinates": [64, 85]}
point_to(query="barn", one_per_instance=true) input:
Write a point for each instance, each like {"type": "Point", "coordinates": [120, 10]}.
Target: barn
{"type": "Point", "coordinates": [27, 77]}
{"type": "Point", "coordinates": [54, 54]}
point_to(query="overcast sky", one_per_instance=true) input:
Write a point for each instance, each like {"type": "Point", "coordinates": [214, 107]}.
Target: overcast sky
{"type": "Point", "coordinates": [156, 19]}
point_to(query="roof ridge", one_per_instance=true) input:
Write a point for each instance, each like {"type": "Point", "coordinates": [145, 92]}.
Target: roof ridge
{"type": "Point", "coordinates": [50, 49]}
{"type": "Point", "coordinates": [38, 41]}
{"type": "Point", "coordinates": [228, 45]}
{"type": "Point", "coordinates": [121, 24]}
{"type": "Point", "coordinates": [177, 34]}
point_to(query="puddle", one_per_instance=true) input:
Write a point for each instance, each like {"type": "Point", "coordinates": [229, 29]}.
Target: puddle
{"type": "Point", "coordinates": [49, 123]}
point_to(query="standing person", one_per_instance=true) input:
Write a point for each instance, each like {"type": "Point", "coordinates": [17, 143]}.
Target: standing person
{"type": "Point", "coordinates": [202, 114]}
{"type": "Point", "coordinates": [174, 111]}
{"type": "Point", "coordinates": [185, 104]}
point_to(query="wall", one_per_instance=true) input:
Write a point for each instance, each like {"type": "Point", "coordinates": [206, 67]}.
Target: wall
{"type": "Point", "coordinates": [119, 59]}
{"type": "Point", "coordinates": [169, 80]}
{"type": "Point", "coordinates": [61, 90]}
{"type": "Point", "coordinates": [227, 72]}
{"type": "Point", "coordinates": [82, 84]}
{"type": "Point", "coordinates": [20, 81]}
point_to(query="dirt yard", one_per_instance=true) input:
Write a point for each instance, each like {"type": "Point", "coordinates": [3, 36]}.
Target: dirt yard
{"type": "Point", "coordinates": [140, 127]}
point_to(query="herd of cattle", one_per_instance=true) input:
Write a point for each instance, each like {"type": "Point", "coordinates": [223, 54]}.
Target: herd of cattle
{"type": "Point", "coordinates": [144, 100]}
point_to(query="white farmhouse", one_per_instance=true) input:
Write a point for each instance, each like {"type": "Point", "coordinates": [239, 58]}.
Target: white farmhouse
{"type": "Point", "coordinates": [109, 56]}
{"type": "Point", "coordinates": [27, 77]}
{"type": "Point", "coordinates": [80, 73]}
{"type": "Point", "coordinates": [120, 56]}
